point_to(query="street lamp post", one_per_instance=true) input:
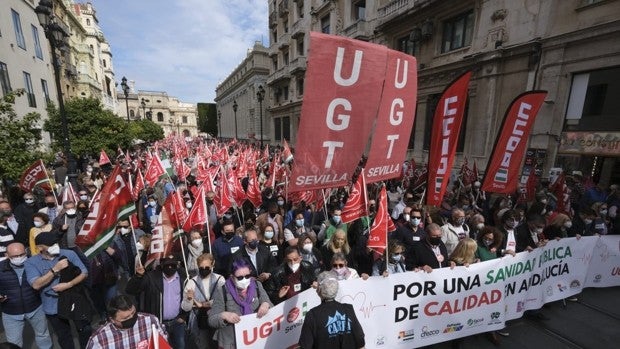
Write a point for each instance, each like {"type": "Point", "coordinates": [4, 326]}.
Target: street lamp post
{"type": "Point", "coordinates": [125, 88]}
{"type": "Point", "coordinates": [143, 104]}
{"type": "Point", "coordinates": [56, 36]}
{"type": "Point", "coordinates": [260, 95]}
{"type": "Point", "coordinates": [219, 123]}
{"type": "Point", "coordinates": [235, 106]}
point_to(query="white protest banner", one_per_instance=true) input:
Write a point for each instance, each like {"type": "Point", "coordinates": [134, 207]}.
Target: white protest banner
{"type": "Point", "coordinates": [281, 327]}
{"type": "Point", "coordinates": [604, 262]}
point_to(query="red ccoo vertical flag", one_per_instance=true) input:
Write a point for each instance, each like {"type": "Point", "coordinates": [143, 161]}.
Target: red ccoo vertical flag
{"type": "Point", "coordinates": [137, 188]}
{"type": "Point", "coordinates": [103, 158]}
{"type": "Point", "coordinates": [155, 169]}
{"type": "Point", "coordinates": [35, 175]}
{"type": "Point", "coordinates": [502, 174]}
{"type": "Point", "coordinates": [377, 238]}
{"type": "Point", "coordinates": [287, 155]}
{"type": "Point", "coordinates": [355, 207]}
{"type": "Point", "coordinates": [444, 138]}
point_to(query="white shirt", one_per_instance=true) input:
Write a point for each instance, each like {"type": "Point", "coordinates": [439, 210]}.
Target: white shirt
{"type": "Point", "coordinates": [511, 242]}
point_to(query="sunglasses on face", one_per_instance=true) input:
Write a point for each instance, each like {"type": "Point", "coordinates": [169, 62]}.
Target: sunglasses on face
{"type": "Point", "coordinates": [239, 278]}
{"type": "Point", "coordinates": [338, 265]}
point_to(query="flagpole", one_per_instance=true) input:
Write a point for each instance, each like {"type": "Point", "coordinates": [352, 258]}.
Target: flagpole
{"type": "Point", "coordinates": [90, 203]}
{"type": "Point", "coordinates": [49, 181]}
{"type": "Point", "coordinates": [324, 203]}
{"type": "Point", "coordinates": [133, 235]}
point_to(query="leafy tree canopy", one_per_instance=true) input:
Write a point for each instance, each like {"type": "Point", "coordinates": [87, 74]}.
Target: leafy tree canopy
{"type": "Point", "coordinates": [20, 138]}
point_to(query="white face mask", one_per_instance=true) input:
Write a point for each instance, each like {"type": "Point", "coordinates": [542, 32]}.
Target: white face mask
{"type": "Point", "coordinates": [139, 246]}
{"type": "Point", "coordinates": [197, 243]}
{"type": "Point", "coordinates": [188, 204]}
{"type": "Point", "coordinates": [568, 224]}
{"type": "Point", "coordinates": [587, 221]}
{"type": "Point", "coordinates": [294, 266]}
{"type": "Point", "coordinates": [84, 197]}
{"type": "Point", "coordinates": [406, 217]}
{"type": "Point", "coordinates": [18, 261]}
{"type": "Point", "coordinates": [28, 201]}
{"type": "Point", "coordinates": [308, 247]}
{"type": "Point", "coordinates": [480, 226]}
{"type": "Point", "coordinates": [243, 284]}
{"type": "Point", "coordinates": [71, 211]}
{"type": "Point", "coordinates": [38, 224]}
{"type": "Point", "coordinates": [124, 231]}
{"type": "Point", "coordinates": [152, 203]}
{"type": "Point", "coordinates": [54, 250]}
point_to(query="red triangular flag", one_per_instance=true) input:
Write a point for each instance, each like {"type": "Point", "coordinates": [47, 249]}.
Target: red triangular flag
{"type": "Point", "coordinates": [379, 229]}
{"type": "Point", "coordinates": [176, 207]}
{"type": "Point", "coordinates": [138, 187]}
{"type": "Point", "coordinates": [198, 215]}
{"type": "Point", "coordinates": [287, 155]}
{"type": "Point", "coordinates": [154, 170]}
{"type": "Point", "coordinates": [103, 158]}
{"type": "Point", "coordinates": [254, 194]}
{"type": "Point", "coordinates": [157, 341]}
{"type": "Point", "coordinates": [356, 206]}
{"type": "Point", "coordinates": [223, 199]}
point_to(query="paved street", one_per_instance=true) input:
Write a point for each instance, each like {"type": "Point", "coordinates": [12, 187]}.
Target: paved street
{"type": "Point", "coordinates": [592, 322]}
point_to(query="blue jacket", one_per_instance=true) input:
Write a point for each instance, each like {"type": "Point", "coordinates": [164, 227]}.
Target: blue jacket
{"type": "Point", "coordinates": [21, 299]}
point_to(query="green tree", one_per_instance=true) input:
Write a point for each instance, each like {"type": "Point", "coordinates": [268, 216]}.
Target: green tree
{"type": "Point", "coordinates": [207, 118]}
{"type": "Point", "coordinates": [20, 138]}
{"type": "Point", "coordinates": [146, 130]}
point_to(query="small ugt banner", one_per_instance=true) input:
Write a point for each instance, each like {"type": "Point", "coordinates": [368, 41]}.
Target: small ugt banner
{"type": "Point", "coordinates": [343, 88]}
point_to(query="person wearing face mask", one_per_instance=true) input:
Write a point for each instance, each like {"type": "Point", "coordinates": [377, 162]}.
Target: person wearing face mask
{"type": "Point", "coordinates": [558, 227]}
{"type": "Point", "coordinates": [410, 231]}
{"type": "Point", "coordinates": [282, 205]}
{"type": "Point", "coordinates": [601, 222]}
{"type": "Point", "coordinates": [195, 248]}
{"type": "Point", "coordinates": [509, 222]}
{"type": "Point", "coordinates": [489, 242]}
{"type": "Point", "coordinates": [45, 273]}
{"type": "Point", "coordinates": [224, 247]}
{"type": "Point", "coordinates": [51, 208]}
{"type": "Point", "coordinates": [455, 230]}
{"type": "Point", "coordinates": [125, 326]}
{"type": "Point", "coordinates": [151, 210]}
{"type": "Point", "coordinates": [339, 266]}
{"type": "Point", "coordinates": [392, 261]}
{"type": "Point", "coordinates": [329, 227]}
{"type": "Point", "coordinates": [161, 292]}
{"type": "Point", "coordinates": [241, 295]}
{"type": "Point", "coordinates": [296, 228]}
{"type": "Point", "coordinates": [268, 241]}
{"type": "Point", "coordinates": [293, 276]}
{"type": "Point", "coordinates": [530, 235]}
{"type": "Point", "coordinates": [309, 252]}
{"type": "Point", "coordinates": [41, 224]}
{"type": "Point", "coordinates": [582, 223]}
{"type": "Point", "coordinates": [68, 224]}
{"type": "Point", "coordinates": [431, 253]}
{"type": "Point", "coordinates": [6, 235]}
{"type": "Point", "coordinates": [339, 243]}
{"type": "Point", "coordinates": [476, 224]}
{"type": "Point", "coordinates": [257, 256]}
{"type": "Point", "coordinates": [198, 299]}
{"type": "Point", "coordinates": [275, 218]}
{"type": "Point", "coordinates": [20, 302]}
{"type": "Point", "coordinates": [23, 214]}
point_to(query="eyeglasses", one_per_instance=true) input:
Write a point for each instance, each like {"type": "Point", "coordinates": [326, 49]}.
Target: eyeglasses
{"type": "Point", "coordinates": [123, 226]}
{"type": "Point", "coordinates": [239, 278]}
{"type": "Point", "coordinates": [338, 265]}
{"type": "Point", "coordinates": [418, 217]}
{"type": "Point", "coordinates": [228, 231]}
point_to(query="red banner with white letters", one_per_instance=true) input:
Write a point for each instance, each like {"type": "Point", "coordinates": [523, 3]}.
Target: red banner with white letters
{"type": "Point", "coordinates": [344, 82]}
{"type": "Point", "coordinates": [390, 138]}
{"type": "Point", "coordinates": [33, 176]}
{"type": "Point", "coordinates": [502, 174]}
{"type": "Point", "coordinates": [444, 137]}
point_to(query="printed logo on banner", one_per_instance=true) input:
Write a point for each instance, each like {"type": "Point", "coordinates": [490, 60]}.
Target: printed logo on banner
{"type": "Point", "coordinates": [380, 341]}
{"type": "Point", "coordinates": [561, 287]}
{"type": "Point", "coordinates": [597, 278]}
{"type": "Point", "coordinates": [455, 327]}
{"type": "Point", "coordinates": [293, 314]}
{"type": "Point", "coordinates": [501, 175]}
{"type": "Point", "coordinates": [495, 318]}
{"type": "Point", "coordinates": [549, 290]}
{"type": "Point", "coordinates": [520, 306]}
{"type": "Point", "coordinates": [404, 336]}
{"type": "Point", "coordinates": [427, 332]}
{"type": "Point", "coordinates": [575, 284]}
{"type": "Point", "coordinates": [475, 322]}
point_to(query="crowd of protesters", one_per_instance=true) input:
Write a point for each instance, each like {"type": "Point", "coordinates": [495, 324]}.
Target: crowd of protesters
{"type": "Point", "coordinates": [248, 259]}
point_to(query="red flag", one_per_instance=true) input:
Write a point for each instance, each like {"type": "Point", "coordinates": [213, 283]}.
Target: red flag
{"type": "Point", "coordinates": [176, 207]}
{"type": "Point", "coordinates": [379, 229]}
{"type": "Point", "coordinates": [390, 138]}
{"type": "Point", "coordinates": [562, 194]}
{"type": "Point", "coordinates": [356, 206]}
{"type": "Point", "coordinates": [475, 171]}
{"type": "Point", "coordinates": [467, 174]}
{"type": "Point", "coordinates": [157, 341]}
{"type": "Point", "coordinates": [530, 187]}
{"type": "Point", "coordinates": [68, 194]}
{"type": "Point", "coordinates": [344, 77]}
{"type": "Point", "coordinates": [223, 199]}
{"type": "Point", "coordinates": [103, 158]}
{"type": "Point", "coordinates": [287, 155]}
{"type": "Point", "coordinates": [198, 215]}
{"type": "Point", "coordinates": [253, 193]}
{"type": "Point", "coordinates": [154, 170]}
{"type": "Point", "coordinates": [138, 187]}
{"type": "Point", "coordinates": [35, 175]}
{"type": "Point", "coordinates": [99, 228]}
{"type": "Point", "coordinates": [444, 137]}
{"type": "Point", "coordinates": [161, 239]}
{"type": "Point", "coordinates": [502, 174]}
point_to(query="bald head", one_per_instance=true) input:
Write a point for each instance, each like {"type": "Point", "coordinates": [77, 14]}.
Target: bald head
{"type": "Point", "coordinates": [15, 249]}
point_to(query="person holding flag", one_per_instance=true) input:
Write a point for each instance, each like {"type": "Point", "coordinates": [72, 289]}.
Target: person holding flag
{"type": "Point", "coordinates": [125, 327]}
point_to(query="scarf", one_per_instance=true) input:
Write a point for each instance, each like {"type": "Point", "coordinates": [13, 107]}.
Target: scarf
{"type": "Point", "coordinates": [245, 303]}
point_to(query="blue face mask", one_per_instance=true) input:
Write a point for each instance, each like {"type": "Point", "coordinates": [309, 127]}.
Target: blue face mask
{"type": "Point", "coordinates": [299, 222]}
{"type": "Point", "coordinates": [397, 257]}
{"type": "Point", "coordinates": [336, 219]}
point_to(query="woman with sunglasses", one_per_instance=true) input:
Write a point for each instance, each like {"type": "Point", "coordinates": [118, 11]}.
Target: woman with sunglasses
{"type": "Point", "coordinates": [340, 268]}
{"type": "Point", "coordinates": [241, 295]}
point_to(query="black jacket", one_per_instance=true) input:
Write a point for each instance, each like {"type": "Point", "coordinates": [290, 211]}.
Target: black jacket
{"type": "Point", "coordinates": [20, 299]}
{"type": "Point", "coordinates": [523, 238]}
{"type": "Point", "coordinates": [150, 288]}
{"type": "Point", "coordinates": [265, 262]}
{"type": "Point", "coordinates": [279, 276]}
{"type": "Point", "coordinates": [332, 325]}
{"type": "Point", "coordinates": [423, 255]}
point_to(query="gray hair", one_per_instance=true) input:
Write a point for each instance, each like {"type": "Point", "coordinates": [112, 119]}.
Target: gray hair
{"type": "Point", "coordinates": [328, 285]}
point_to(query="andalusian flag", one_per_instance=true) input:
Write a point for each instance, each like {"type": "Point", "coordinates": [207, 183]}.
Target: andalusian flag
{"type": "Point", "coordinates": [115, 203]}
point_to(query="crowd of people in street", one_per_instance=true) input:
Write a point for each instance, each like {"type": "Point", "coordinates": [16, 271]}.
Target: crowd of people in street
{"type": "Point", "coordinates": [249, 258]}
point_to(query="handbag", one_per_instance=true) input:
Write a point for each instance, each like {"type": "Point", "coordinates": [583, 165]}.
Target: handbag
{"type": "Point", "coordinates": [202, 317]}
{"type": "Point", "coordinates": [74, 303]}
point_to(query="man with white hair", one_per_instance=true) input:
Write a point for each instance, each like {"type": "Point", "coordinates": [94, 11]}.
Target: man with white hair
{"type": "Point", "coordinates": [331, 324]}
